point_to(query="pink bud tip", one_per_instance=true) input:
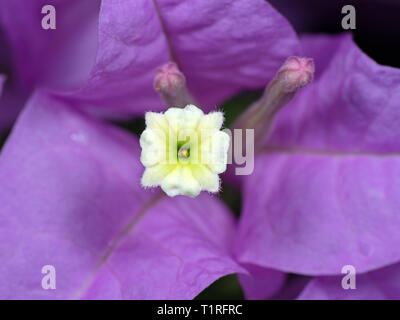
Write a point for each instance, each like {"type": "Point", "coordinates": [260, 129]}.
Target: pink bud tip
{"type": "Point", "coordinates": [296, 73]}
{"type": "Point", "coordinates": [169, 79]}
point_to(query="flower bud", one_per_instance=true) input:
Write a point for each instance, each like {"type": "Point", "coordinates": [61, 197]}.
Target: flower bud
{"type": "Point", "coordinates": [296, 73]}
{"type": "Point", "coordinates": [170, 82]}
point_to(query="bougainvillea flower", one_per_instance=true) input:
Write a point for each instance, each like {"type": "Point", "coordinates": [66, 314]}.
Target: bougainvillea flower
{"type": "Point", "coordinates": [71, 194]}
{"type": "Point", "coordinates": [71, 198]}
{"type": "Point", "coordinates": [325, 190]}
{"type": "Point", "coordinates": [184, 150]}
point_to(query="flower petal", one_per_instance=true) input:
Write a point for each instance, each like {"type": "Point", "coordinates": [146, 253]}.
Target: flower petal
{"type": "Point", "coordinates": [219, 155]}
{"type": "Point", "coordinates": [56, 57]}
{"type": "Point", "coordinates": [188, 117]}
{"type": "Point", "coordinates": [261, 283]}
{"type": "Point", "coordinates": [181, 181]}
{"type": "Point", "coordinates": [153, 175]}
{"type": "Point", "coordinates": [177, 250]}
{"type": "Point", "coordinates": [205, 38]}
{"type": "Point", "coordinates": [207, 179]}
{"type": "Point", "coordinates": [211, 122]}
{"type": "Point", "coordinates": [154, 147]}
{"type": "Point", "coordinates": [314, 213]}
{"type": "Point", "coordinates": [156, 121]}
{"type": "Point", "coordinates": [131, 48]}
{"type": "Point", "coordinates": [382, 284]}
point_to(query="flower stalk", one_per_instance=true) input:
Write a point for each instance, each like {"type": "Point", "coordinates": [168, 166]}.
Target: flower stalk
{"type": "Point", "coordinates": [294, 74]}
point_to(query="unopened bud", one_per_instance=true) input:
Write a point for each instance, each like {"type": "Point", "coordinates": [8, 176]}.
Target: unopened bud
{"type": "Point", "coordinates": [294, 74]}
{"type": "Point", "coordinates": [170, 82]}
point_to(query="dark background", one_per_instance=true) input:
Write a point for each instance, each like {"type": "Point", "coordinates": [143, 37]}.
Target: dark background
{"type": "Point", "coordinates": [377, 23]}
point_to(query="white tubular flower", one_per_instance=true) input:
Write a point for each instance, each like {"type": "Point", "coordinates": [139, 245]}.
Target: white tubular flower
{"type": "Point", "coordinates": [183, 151]}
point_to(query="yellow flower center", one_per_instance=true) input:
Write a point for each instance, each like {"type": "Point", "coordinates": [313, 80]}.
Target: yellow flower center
{"type": "Point", "coordinates": [183, 151]}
